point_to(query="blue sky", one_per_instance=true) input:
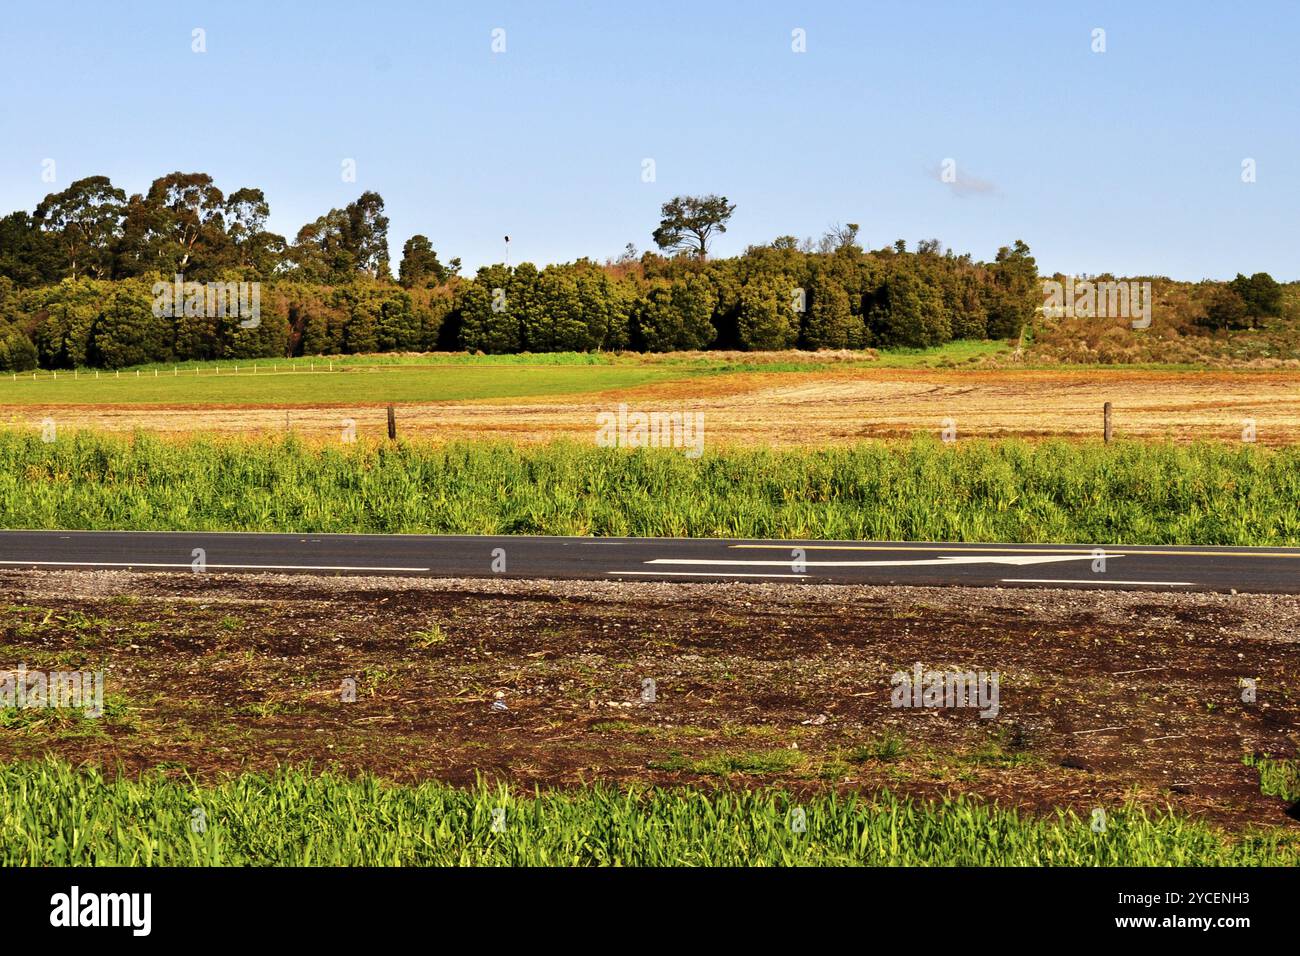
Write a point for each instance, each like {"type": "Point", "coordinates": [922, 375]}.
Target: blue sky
{"type": "Point", "coordinates": [1127, 160]}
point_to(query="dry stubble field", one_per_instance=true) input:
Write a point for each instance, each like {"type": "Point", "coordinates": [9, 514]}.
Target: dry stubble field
{"type": "Point", "coordinates": [778, 408]}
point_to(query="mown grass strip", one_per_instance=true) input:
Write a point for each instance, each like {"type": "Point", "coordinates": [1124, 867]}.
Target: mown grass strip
{"type": "Point", "coordinates": [264, 382]}
{"type": "Point", "coordinates": [975, 491]}
{"type": "Point", "coordinates": [54, 815]}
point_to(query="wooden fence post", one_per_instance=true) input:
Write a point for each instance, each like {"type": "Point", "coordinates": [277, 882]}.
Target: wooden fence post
{"type": "Point", "coordinates": [392, 424]}
{"type": "Point", "coordinates": [1106, 422]}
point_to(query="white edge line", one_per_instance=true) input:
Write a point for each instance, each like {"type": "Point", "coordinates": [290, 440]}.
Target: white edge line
{"type": "Point", "coordinates": [1172, 584]}
{"type": "Point", "coordinates": [709, 574]}
{"type": "Point", "coordinates": [228, 567]}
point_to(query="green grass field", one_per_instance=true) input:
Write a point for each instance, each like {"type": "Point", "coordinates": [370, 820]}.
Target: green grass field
{"type": "Point", "coordinates": [346, 384]}
{"type": "Point", "coordinates": [918, 490]}
{"type": "Point", "coordinates": [353, 379]}
{"type": "Point", "coordinates": [54, 815]}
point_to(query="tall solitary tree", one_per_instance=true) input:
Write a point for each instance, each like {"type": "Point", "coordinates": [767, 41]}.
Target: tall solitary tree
{"type": "Point", "coordinates": [687, 223]}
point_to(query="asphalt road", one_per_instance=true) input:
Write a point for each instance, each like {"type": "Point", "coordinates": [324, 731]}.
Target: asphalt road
{"type": "Point", "coordinates": [685, 559]}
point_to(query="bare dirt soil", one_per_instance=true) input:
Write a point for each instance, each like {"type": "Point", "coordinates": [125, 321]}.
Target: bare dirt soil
{"type": "Point", "coordinates": [828, 405]}
{"type": "Point", "coordinates": [1103, 697]}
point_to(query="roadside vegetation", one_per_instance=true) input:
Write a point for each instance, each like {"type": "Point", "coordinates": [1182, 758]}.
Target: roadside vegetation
{"type": "Point", "coordinates": [918, 490]}
{"type": "Point", "coordinates": [54, 815]}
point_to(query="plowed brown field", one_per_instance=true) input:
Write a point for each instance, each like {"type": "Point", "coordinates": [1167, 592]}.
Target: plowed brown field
{"type": "Point", "coordinates": [1105, 698]}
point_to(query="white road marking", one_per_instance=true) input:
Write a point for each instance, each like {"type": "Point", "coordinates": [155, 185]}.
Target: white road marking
{"type": "Point", "coordinates": [710, 574]}
{"type": "Point", "coordinates": [1017, 559]}
{"type": "Point", "coordinates": [189, 564]}
{"type": "Point", "coordinates": [1157, 549]}
{"type": "Point", "coordinates": [1171, 584]}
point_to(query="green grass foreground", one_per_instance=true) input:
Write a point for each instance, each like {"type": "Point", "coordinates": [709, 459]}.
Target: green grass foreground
{"type": "Point", "coordinates": [54, 815]}
{"type": "Point", "coordinates": [1054, 491]}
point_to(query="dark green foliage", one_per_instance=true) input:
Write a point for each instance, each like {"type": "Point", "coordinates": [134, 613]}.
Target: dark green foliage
{"type": "Point", "coordinates": [68, 311]}
{"type": "Point", "coordinates": [1226, 310]}
{"type": "Point", "coordinates": [555, 319]}
{"type": "Point", "coordinates": [17, 353]}
{"type": "Point", "coordinates": [29, 255]}
{"type": "Point", "coordinates": [676, 316]}
{"type": "Point", "coordinates": [911, 314]}
{"type": "Point", "coordinates": [1017, 291]}
{"type": "Point", "coordinates": [331, 290]}
{"type": "Point", "coordinates": [77, 266]}
{"type": "Point", "coordinates": [768, 317]}
{"type": "Point", "coordinates": [420, 265]}
{"type": "Point", "coordinates": [489, 320]}
{"type": "Point", "coordinates": [830, 322]}
{"type": "Point", "coordinates": [84, 220]}
{"type": "Point", "coordinates": [689, 222]}
{"type": "Point", "coordinates": [127, 332]}
{"type": "Point", "coordinates": [1260, 294]}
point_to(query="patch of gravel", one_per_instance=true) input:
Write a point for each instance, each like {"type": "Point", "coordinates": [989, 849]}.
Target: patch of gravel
{"type": "Point", "coordinates": [1273, 615]}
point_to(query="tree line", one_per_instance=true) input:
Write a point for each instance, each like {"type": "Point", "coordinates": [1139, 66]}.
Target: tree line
{"type": "Point", "coordinates": [78, 275]}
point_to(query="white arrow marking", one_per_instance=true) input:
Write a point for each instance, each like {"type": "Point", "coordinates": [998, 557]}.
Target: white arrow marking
{"type": "Point", "coordinates": [945, 560]}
